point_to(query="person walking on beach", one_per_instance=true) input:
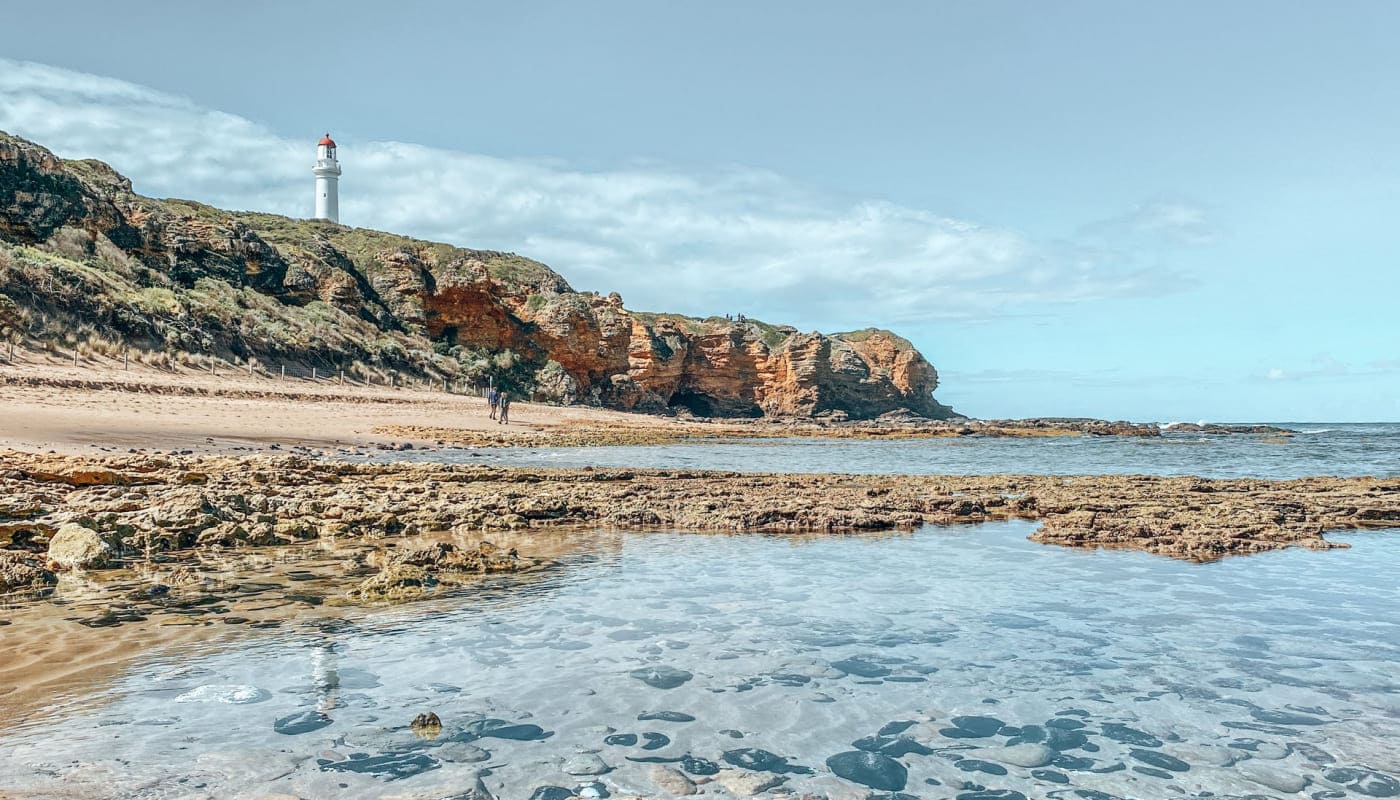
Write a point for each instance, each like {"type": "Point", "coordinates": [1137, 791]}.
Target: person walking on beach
{"type": "Point", "coordinates": [493, 399]}
{"type": "Point", "coordinates": [505, 408]}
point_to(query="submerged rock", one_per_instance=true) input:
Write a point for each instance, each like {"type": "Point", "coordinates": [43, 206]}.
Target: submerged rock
{"type": "Point", "coordinates": [297, 724]}
{"type": "Point", "coordinates": [585, 764]}
{"type": "Point", "coordinates": [672, 781]}
{"type": "Point", "coordinates": [869, 769]}
{"type": "Point", "coordinates": [1020, 755]}
{"type": "Point", "coordinates": [742, 783]}
{"type": "Point", "coordinates": [1364, 781]}
{"type": "Point", "coordinates": [395, 581]}
{"type": "Point", "coordinates": [661, 676]}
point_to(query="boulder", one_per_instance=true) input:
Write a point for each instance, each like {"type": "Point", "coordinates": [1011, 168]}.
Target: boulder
{"type": "Point", "coordinates": [78, 547]}
{"type": "Point", "coordinates": [672, 781]}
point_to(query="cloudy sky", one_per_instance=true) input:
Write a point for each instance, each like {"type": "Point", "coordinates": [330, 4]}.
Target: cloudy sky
{"type": "Point", "coordinates": [1179, 211]}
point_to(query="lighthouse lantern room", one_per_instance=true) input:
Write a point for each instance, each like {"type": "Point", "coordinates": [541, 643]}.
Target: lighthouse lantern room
{"type": "Point", "coordinates": [327, 172]}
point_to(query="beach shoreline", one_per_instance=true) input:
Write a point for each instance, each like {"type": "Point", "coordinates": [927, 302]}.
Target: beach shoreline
{"type": "Point", "coordinates": [51, 405]}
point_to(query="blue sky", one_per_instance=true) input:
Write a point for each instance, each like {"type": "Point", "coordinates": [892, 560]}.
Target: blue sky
{"type": "Point", "coordinates": [1151, 211]}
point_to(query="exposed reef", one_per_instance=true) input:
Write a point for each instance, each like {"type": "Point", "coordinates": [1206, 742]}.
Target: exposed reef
{"type": "Point", "coordinates": [138, 507]}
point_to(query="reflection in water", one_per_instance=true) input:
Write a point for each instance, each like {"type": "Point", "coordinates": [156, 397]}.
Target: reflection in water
{"type": "Point", "coordinates": [1343, 450]}
{"type": "Point", "coordinates": [948, 663]}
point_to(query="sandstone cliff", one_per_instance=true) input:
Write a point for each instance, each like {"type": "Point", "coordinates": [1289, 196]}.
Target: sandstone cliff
{"type": "Point", "coordinates": [86, 262]}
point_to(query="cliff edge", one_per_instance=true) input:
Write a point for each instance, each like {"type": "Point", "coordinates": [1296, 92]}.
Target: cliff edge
{"type": "Point", "coordinates": [87, 263]}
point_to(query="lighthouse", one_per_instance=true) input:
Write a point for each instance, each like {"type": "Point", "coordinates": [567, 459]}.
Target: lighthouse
{"type": "Point", "coordinates": [327, 172]}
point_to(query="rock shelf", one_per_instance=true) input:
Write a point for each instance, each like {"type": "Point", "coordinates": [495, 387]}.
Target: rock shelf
{"type": "Point", "coordinates": [141, 506]}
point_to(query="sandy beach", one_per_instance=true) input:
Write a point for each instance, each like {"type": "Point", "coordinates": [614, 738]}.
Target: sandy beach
{"type": "Point", "coordinates": [51, 405]}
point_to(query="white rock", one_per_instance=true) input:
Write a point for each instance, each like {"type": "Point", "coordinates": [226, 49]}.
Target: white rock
{"type": "Point", "coordinates": [1270, 751]}
{"type": "Point", "coordinates": [585, 764]}
{"type": "Point", "coordinates": [1274, 777]}
{"type": "Point", "coordinates": [1021, 755]}
{"type": "Point", "coordinates": [460, 753]}
{"type": "Point", "coordinates": [74, 545]}
{"type": "Point", "coordinates": [1212, 755]}
{"type": "Point", "coordinates": [747, 784]}
{"type": "Point", "coordinates": [672, 781]}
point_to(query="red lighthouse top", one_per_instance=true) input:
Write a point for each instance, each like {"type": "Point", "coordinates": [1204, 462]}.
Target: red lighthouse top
{"type": "Point", "coordinates": [327, 141]}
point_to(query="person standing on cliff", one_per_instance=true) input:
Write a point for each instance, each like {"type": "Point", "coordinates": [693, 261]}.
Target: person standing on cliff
{"type": "Point", "coordinates": [505, 408]}
{"type": "Point", "coordinates": [493, 399]}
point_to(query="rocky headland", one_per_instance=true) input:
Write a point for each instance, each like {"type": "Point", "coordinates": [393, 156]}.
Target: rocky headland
{"type": "Point", "coordinates": [88, 265]}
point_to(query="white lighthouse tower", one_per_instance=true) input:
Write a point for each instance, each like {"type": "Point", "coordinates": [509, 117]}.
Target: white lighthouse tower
{"type": "Point", "coordinates": [327, 172]}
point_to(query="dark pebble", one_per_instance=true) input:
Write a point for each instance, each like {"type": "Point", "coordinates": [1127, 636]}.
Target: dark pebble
{"type": "Point", "coordinates": [1284, 717]}
{"type": "Point", "coordinates": [621, 739]}
{"type": "Point", "coordinates": [979, 727]}
{"type": "Point", "coordinates": [394, 766]}
{"type": "Point", "coordinates": [1364, 781]}
{"type": "Point", "coordinates": [1064, 724]}
{"type": "Point", "coordinates": [500, 729]}
{"type": "Point", "coordinates": [1159, 760]}
{"type": "Point", "coordinates": [1130, 736]}
{"type": "Point", "coordinates": [662, 677]}
{"type": "Point", "coordinates": [1073, 763]}
{"type": "Point", "coordinates": [1056, 739]}
{"type": "Point", "coordinates": [665, 716]}
{"type": "Point", "coordinates": [762, 761]}
{"type": "Point", "coordinates": [869, 769]}
{"type": "Point", "coordinates": [861, 667]}
{"type": "Point", "coordinates": [1049, 775]}
{"type": "Point", "coordinates": [978, 765]}
{"type": "Point", "coordinates": [305, 722]}
{"type": "Point", "coordinates": [699, 766]}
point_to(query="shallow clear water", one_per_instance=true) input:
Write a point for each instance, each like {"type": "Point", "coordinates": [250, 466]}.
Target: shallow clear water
{"type": "Point", "coordinates": [1341, 449]}
{"type": "Point", "coordinates": [1146, 678]}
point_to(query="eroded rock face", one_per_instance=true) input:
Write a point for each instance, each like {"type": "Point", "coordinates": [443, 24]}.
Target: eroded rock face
{"type": "Point", "coordinates": [404, 300]}
{"type": "Point", "coordinates": [20, 571]}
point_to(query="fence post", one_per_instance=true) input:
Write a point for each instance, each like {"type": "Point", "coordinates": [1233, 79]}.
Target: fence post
{"type": "Point", "coordinates": [250, 367]}
{"type": "Point", "coordinates": [283, 376]}
{"type": "Point", "coordinates": [75, 356]}
{"type": "Point", "coordinates": [126, 360]}
{"type": "Point", "coordinates": [342, 377]}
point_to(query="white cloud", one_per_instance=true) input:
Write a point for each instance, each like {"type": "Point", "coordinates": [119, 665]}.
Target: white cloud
{"type": "Point", "coordinates": [1325, 367]}
{"type": "Point", "coordinates": [729, 240]}
{"type": "Point", "coordinates": [1171, 221]}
